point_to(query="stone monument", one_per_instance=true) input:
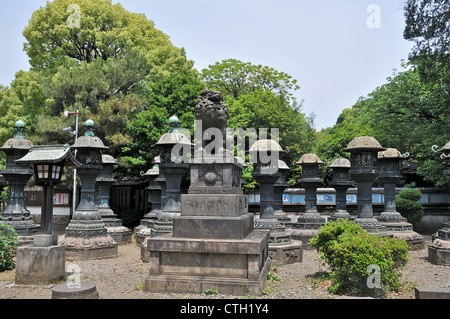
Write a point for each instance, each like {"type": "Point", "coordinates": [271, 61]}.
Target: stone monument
{"type": "Point", "coordinates": [17, 176]}
{"type": "Point", "coordinates": [86, 236]}
{"type": "Point", "coordinates": [154, 195]}
{"type": "Point", "coordinates": [214, 244]}
{"type": "Point", "coordinates": [439, 249]}
{"type": "Point", "coordinates": [341, 182]}
{"type": "Point", "coordinates": [390, 166]}
{"type": "Point", "coordinates": [364, 170]}
{"type": "Point", "coordinates": [308, 224]}
{"type": "Point", "coordinates": [279, 187]}
{"type": "Point", "coordinates": [282, 250]}
{"type": "Point", "coordinates": [120, 233]}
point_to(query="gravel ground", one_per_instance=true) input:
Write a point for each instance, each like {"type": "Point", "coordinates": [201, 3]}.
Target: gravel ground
{"type": "Point", "coordinates": [123, 278]}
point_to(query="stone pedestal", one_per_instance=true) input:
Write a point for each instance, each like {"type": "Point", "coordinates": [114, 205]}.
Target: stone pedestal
{"type": "Point", "coordinates": [40, 264]}
{"type": "Point", "coordinates": [86, 290]}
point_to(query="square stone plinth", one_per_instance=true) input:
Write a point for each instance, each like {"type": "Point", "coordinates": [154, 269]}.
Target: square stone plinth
{"type": "Point", "coordinates": [40, 265]}
{"type": "Point", "coordinates": [237, 227]}
{"type": "Point", "coordinates": [191, 265]}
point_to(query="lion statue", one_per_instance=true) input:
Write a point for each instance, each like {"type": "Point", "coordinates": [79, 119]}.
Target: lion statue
{"type": "Point", "coordinates": [212, 111]}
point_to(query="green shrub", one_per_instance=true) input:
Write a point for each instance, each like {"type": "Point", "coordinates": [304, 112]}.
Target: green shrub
{"type": "Point", "coordinates": [410, 194]}
{"type": "Point", "coordinates": [349, 251]}
{"type": "Point", "coordinates": [408, 207]}
{"type": "Point", "coordinates": [8, 246]}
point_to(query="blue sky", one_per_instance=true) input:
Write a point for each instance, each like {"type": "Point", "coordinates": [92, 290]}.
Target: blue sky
{"type": "Point", "coordinates": [338, 50]}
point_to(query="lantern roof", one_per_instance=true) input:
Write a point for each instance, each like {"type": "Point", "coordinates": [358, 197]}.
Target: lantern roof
{"type": "Point", "coordinates": [266, 145]}
{"type": "Point", "coordinates": [390, 153]}
{"type": "Point", "coordinates": [42, 154]}
{"type": "Point", "coordinates": [309, 159]}
{"type": "Point", "coordinates": [341, 162]}
{"type": "Point", "coordinates": [364, 143]}
{"type": "Point", "coordinates": [108, 159]}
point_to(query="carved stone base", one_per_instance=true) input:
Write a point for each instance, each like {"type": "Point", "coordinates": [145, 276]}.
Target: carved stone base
{"type": "Point", "coordinates": [90, 248]}
{"type": "Point", "coordinates": [141, 234]}
{"type": "Point", "coordinates": [341, 214]}
{"type": "Point", "coordinates": [287, 253]}
{"type": "Point", "coordinates": [161, 228]}
{"type": "Point", "coordinates": [304, 235]}
{"type": "Point", "coordinates": [120, 234]}
{"type": "Point", "coordinates": [372, 226]}
{"type": "Point", "coordinates": [439, 252]}
{"type": "Point", "coordinates": [24, 226]}
{"type": "Point", "coordinates": [414, 240]}
{"type": "Point", "coordinates": [193, 265]}
{"type": "Point", "coordinates": [283, 218]}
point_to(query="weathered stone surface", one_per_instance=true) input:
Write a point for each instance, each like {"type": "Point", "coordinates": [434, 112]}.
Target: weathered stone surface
{"type": "Point", "coordinates": [432, 293]}
{"type": "Point", "coordinates": [217, 205]}
{"type": "Point", "coordinates": [194, 265]}
{"type": "Point", "coordinates": [213, 226]}
{"type": "Point", "coordinates": [40, 265]}
{"type": "Point", "coordinates": [86, 290]}
{"type": "Point", "coordinates": [286, 253]}
{"type": "Point", "coordinates": [439, 252]}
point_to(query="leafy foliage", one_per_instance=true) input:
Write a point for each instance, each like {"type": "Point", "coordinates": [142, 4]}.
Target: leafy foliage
{"type": "Point", "coordinates": [8, 246]}
{"type": "Point", "coordinates": [349, 250]}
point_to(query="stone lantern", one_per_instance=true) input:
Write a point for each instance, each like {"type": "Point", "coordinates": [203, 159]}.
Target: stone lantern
{"type": "Point", "coordinates": [86, 236]}
{"type": "Point", "coordinates": [17, 175]}
{"type": "Point", "coordinates": [310, 221]}
{"type": "Point", "coordinates": [44, 261]}
{"type": "Point", "coordinates": [154, 190]}
{"type": "Point", "coordinates": [341, 182]}
{"type": "Point", "coordinates": [390, 172]}
{"type": "Point", "coordinates": [439, 249]}
{"type": "Point", "coordinates": [364, 170]}
{"type": "Point", "coordinates": [279, 187]}
{"type": "Point", "coordinates": [282, 250]}
{"type": "Point", "coordinates": [103, 182]}
{"type": "Point", "coordinates": [173, 166]}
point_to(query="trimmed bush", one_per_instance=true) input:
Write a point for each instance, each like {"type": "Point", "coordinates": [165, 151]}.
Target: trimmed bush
{"type": "Point", "coordinates": [8, 246]}
{"type": "Point", "coordinates": [349, 251]}
{"type": "Point", "coordinates": [408, 207]}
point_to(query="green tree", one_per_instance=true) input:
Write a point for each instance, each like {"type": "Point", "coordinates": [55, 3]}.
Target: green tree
{"type": "Point", "coordinates": [176, 95]}
{"type": "Point", "coordinates": [105, 30]}
{"type": "Point", "coordinates": [235, 77]}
